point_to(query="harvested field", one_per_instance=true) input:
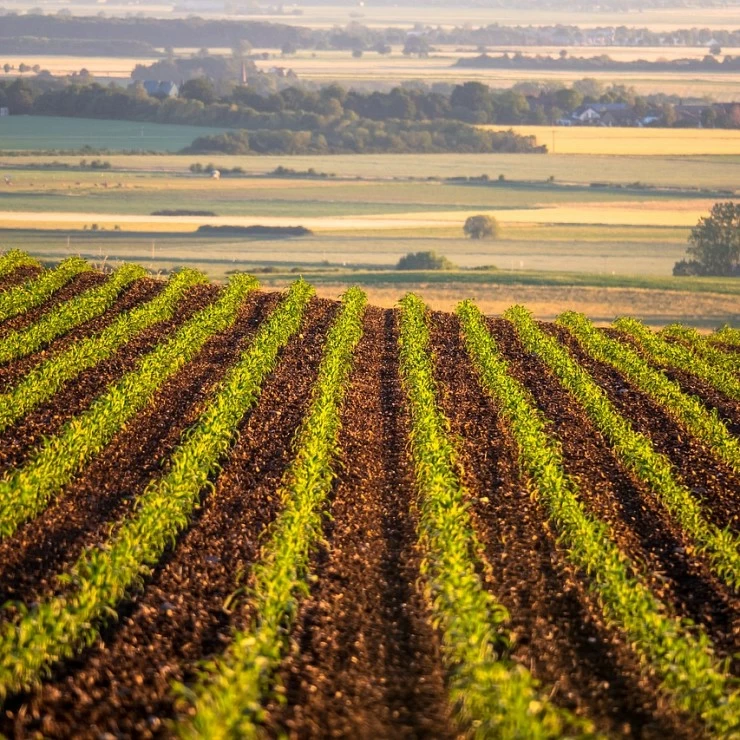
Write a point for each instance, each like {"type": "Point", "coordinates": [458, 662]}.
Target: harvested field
{"type": "Point", "coordinates": [278, 514]}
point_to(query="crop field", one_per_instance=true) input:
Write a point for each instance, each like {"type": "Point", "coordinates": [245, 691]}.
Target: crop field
{"type": "Point", "coordinates": [394, 69]}
{"type": "Point", "coordinates": [718, 171]}
{"type": "Point", "coordinates": [57, 64]}
{"type": "Point", "coordinates": [633, 141]}
{"type": "Point", "coordinates": [233, 512]}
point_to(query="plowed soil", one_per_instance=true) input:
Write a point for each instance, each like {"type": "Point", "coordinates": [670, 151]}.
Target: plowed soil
{"type": "Point", "coordinates": [78, 284]}
{"type": "Point", "coordinates": [18, 276]}
{"type": "Point", "coordinates": [134, 295]}
{"type": "Point", "coordinates": [364, 660]}
{"type": "Point", "coordinates": [76, 396]}
{"type": "Point", "coordinates": [560, 634]}
{"type": "Point", "coordinates": [727, 408]}
{"type": "Point", "coordinates": [711, 480]}
{"type": "Point", "coordinates": [124, 684]}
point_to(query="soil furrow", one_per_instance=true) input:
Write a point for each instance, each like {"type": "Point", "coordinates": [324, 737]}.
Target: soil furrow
{"type": "Point", "coordinates": [710, 397]}
{"type": "Point", "coordinates": [365, 661]}
{"type": "Point", "coordinates": [137, 294]}
{"type": "Point", "coordinates": [730, 349]}
{"type": "Point", "coordinates": [111, 483]}
{"type": "Point", "coordinates": [711, 481]}
{"type": "Point", "coordinates": [727, 408]}
{"type": "Point", "coordinates": [19, 276]}
{"type": "Point", "coordinates": [559, 631]}
{"type": "Point", "coordinates": [122, 686]}
{"type": "Point", "coordinates": [639, 524]}
{"type": "Point", "coordinates": [18, 441]}
{"type": "Point", "coordinates": [78, 284]}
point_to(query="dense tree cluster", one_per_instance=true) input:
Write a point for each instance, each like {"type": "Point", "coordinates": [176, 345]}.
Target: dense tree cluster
{"type": "Point", "coordinates": [366, 136]}
{"type": "Point", "coordinates": [203, 102]}
{"type": "Point", "coordinates": [290, 122]}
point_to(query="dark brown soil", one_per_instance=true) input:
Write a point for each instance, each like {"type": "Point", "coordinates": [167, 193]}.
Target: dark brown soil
{"type": "Point", "coordinates": [730, 349]}
{"type": "Point", "coordinates": [123, 685]}
{"type": "Point", "coordinates": [78, 284]}
{"type": "Point", "coordinates": [365, 662]}
{"type": "Point", "coordinates": [18, 276]}
{"type": "Point", "coordinates": [559, 631]}
{"type": "Point", "coordinates": [41, 548]}
{"type": "Point", "coordinates": [711, 480]}
{"type": "Point", "coordinates": [17, 442]}
{"type": "Point", "coordinates": [727, 408]}
{"type": "Point", "coordinates": [639, 524]}
{"type": "Point", "coordinates": [135, 295]}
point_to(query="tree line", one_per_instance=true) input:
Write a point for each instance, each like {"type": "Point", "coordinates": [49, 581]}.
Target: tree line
{"type": "Point", "coordinates": [600, 63]}
{"type": "Point", "coordinates": [332, 108]}
{"type": "Point", "coordinates": [62, 34]}
{"type": "Point", "coordinates": [290, 122]}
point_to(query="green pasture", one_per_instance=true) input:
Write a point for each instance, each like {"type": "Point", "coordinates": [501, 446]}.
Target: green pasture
{"type": "Point", "coordinates": [713, 172]}
{"type": "Point", "coordinates": [37, 133]}
{"type": "Point", "coordinates": [648, 253]}
{"type": "Point", "coordinates": [115, 192]}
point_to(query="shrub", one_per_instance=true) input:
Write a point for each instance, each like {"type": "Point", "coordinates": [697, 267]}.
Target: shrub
{"type": "Point", "coordinates": [424, 261]}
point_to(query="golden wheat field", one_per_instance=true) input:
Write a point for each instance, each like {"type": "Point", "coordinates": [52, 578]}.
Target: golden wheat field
{"type": "Point", "coordinates": [598, 140]}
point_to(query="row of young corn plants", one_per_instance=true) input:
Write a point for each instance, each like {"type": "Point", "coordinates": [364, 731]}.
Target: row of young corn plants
{"type": "Point", "coordinates": [688, 410]}
{"type": "Point", "coordinates": [68, 315]}
{"type": "Point", "coordinates": [26, 491]}
{"type": "Point", "coordinates": [34, 292]}
{"type": "Point", "coordinates": [61, 625]}
{"type": "Point", "coordinates": [492, 695]}
{"type": "Point", "coordinates": [676, 355]}
{"type": "Point", "coordinates": [14, 259]}
{"type": "Point", "coordinates": [229, 695]}
{"type": "Point", "coordinates": [701, 346]}
{"type": "Point", "coordinates": [682, 656]}
{"type": "Point", "coordinates": [43, 381]}
{"type": "Point", "coordinates": [634, 450]}
{"type": "Point", "coordinates": [725, 335]}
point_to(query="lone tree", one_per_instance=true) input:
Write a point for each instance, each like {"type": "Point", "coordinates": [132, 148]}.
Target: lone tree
{"type": "Point", "coordinates": [481, 227]}
{"type": "Point", "coordinates": [714, 244]}
{"type": "Point", "coordinates": [424, 261]}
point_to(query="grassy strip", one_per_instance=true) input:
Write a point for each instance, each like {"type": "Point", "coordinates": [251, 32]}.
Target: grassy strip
{"type": "Point", "coordinates": [701, 345]}
{"type": "Point", "coordinates": [493, 696]}
{"type": "Point", "coordinates": [34, 292]}
{"type": "Point", "coordinates": [634, 450]}
{"type": "Point", "coordinates": [681, 286]}
{"type": "Point", "coordinates": [84, 307]}
{"type": "Point", "coordinates": [689, 360]}
{"type": "Point", "coordinates": [228, 697]}
{"type": "Point", "coordinates": [683, 657]}
{"type": "Point", "coordinates": [705, 425]}
{"type": "Point", "coordinates": [42, 382]}
{"type": "Point", "coordinates": [25, 492]}
{"type": "Point", "coordinates": [13, 259]}
{"type": "Point", "coordinates": [58, 627]}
